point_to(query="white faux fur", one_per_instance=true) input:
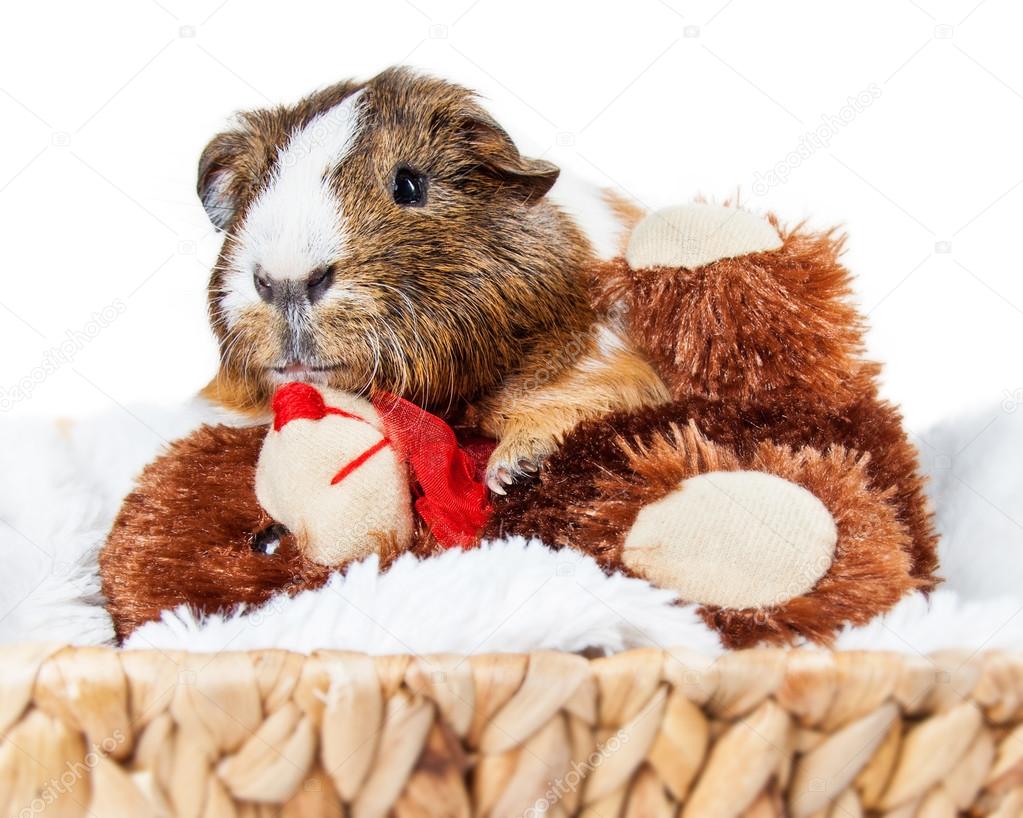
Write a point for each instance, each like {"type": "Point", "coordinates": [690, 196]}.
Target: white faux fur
{"type": "Point", "coordinates": [49, 588]}
{"type": "Point", "coordinates": [59, 491]}
{"type": "Point", "coordinates": [977, 489]}
{"type": "Point", "coordinates": [505, 596]}
{"type": "Point", "coordinates": [942, 621]}
{"type": "Point", "coordinates": [511, 596]}
{"type": "Point", "coordinates": [60, 488]}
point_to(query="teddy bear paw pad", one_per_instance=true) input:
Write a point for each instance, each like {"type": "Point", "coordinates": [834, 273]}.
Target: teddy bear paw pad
{"type": "Point", "coordinates": [734, 539]}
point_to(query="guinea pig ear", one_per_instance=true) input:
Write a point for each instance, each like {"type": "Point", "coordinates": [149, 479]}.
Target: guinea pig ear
{"type": "Point", "coordinates": [497, 154]}
{"type": "Point", "coordinates": [218, 182]}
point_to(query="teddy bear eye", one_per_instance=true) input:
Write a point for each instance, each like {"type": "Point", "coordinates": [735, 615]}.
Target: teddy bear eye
{"type": "Point", "coordinates": [269, 539]}
{"type": "Point", "coordinates": [409, 188]}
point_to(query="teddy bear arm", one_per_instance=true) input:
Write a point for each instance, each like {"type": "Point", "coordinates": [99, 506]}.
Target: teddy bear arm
{"type": "Point", "coordinates": [728, 305]}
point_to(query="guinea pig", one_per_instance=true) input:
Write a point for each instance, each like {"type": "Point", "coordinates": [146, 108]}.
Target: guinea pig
{"type": "Point", "coordinates": [388, 235]}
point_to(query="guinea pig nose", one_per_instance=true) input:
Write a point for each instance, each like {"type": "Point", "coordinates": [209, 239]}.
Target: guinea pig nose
{"type": "Point", "coordinates": [264, 286]}
{"type": "Point", "coordinates": [318, 283]}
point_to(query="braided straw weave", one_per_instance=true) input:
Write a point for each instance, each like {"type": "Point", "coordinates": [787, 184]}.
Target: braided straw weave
{"type": "Point", "coordinates": [97, 732]}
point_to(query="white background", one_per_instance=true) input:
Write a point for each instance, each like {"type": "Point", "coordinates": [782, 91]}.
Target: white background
{"type": "Point", "coordinates": [106, 107]}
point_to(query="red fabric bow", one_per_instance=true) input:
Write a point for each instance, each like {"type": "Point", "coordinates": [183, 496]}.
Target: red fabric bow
{"type": "Point", "coordinates": [453, 502]}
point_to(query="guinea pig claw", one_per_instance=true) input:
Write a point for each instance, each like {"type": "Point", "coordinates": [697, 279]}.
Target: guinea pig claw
{"type": "Point", "coordinates": [515, 461]}
{"type": "Point", "coordinates": [500, 477]}
{"type": "Point", "coordinates": [494, 482]}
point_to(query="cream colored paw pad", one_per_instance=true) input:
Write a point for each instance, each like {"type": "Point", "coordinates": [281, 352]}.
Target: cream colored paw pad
{"type": "Point", "coordinates": [693, 235]}
{"type": "Point", "coordinates": [734, 539]}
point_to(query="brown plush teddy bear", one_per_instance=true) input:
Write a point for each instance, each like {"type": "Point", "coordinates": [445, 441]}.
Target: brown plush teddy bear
{"type": "Point", "coordinates": [777, 490]}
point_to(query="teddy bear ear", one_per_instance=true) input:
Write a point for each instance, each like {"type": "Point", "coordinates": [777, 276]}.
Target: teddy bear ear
{"type": "Point", "coordinates": [694, 235]}
{"type": "Point", "coordinates": [498, 156]}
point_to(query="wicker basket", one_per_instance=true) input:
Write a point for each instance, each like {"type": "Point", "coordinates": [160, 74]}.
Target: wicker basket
{"type": "Point", "coordinates": [98, 732]}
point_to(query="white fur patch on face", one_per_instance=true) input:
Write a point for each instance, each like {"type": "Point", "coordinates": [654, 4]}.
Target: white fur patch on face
{"type": "Point", "coordinates": [296, 223]}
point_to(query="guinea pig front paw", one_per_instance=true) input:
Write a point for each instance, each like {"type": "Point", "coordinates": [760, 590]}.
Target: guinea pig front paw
{"type": "Point", "coordinates": [516, 458]}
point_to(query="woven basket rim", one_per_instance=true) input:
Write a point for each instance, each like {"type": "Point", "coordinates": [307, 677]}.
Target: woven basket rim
{"type": "Point", "coordinates": [760, 732]}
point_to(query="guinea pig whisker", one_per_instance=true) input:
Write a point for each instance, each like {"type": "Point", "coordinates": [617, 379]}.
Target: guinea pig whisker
{"type": "Point", "coordinates": [396, 369]}
{"type": "Point", "coordinates": [404, 297]}
{"type": "Point", "coordinates": [375, 345]}
{"type": "Point", "coordinates": [451, 390]}
{"type": "Point", "coordinates": [237, 345]}
{"type": "Point", "coordinates": [249, 387]}
{"type": "Point", "coordinates": [231, 339]}
{"type": "Point", "coordinates": [402, 354]}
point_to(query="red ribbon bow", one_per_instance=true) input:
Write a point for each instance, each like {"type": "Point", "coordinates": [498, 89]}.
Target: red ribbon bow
{"type": "Point", "coordinates": [452, 501]}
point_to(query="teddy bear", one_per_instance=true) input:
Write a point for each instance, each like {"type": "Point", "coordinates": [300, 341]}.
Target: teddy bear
{"type": "Point", "coordinates": [776, 489]}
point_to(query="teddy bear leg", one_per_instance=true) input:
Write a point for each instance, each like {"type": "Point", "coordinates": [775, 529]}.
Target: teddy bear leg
{"type": "Point", "coordinates": [777, 544]}
{"type": "Point", "coordinates": [733, 539]}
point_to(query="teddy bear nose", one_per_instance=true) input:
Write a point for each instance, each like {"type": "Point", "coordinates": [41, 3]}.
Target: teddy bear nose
{"type": "Point", "coordinates": [278, 290]}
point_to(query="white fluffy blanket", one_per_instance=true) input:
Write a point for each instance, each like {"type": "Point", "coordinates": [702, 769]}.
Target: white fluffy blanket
{"type": "Point", "coordinates": [59, 492]}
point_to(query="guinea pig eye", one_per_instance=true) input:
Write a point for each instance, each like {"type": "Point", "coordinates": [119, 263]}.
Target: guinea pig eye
{"type": "Point", "coordinates": [409, 188]}
{"type": "Point", "coordinates": [269, 539]}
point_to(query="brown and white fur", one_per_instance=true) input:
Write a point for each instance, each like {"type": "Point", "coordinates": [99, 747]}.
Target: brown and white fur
{"type": "Point", "coordinates": [473, 303]}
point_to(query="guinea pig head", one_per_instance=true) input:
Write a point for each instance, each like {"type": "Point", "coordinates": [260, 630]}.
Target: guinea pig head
{"type": "Point", "coordinates": [385, 235]}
